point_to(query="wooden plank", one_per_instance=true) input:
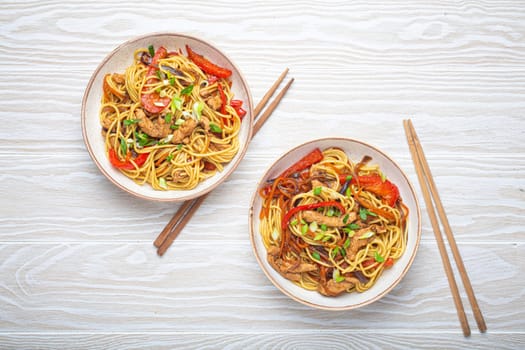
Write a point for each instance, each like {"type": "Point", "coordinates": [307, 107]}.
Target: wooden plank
{"type": "Point", "coordinates": [197, 286]}
{"type": "Point", "coordinates": [371, 339]}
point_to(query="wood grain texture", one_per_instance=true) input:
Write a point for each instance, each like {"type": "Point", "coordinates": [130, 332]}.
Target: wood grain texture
{"type": "Point", "coordinates": [77, 264]}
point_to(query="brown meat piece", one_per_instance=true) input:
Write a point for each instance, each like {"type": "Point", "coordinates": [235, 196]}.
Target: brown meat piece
{"type": "Point", "coordinates": [158, 128]}
{"type": "Point", "coordinates": [332, 288]}
{"type": "Point", "coordinates": [357, 243]}
{"type": "Point", "coordinates": [289, 269]}
{"type": "Point", "coordinates": [181, 135]}
{"type": "Point", "coordinates": [214, 102]}
{"type": "Point", "coordinates": [332, 221]}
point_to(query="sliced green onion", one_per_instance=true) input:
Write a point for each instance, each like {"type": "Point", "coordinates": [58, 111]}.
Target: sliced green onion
{"type": "Point", "coordinates": [324, 227]}
{"type": "Point", "coordinates": [275, 234]}
{"type": "Point", "coordinates": [123, 146]}
{"type": "Point", "coordinates": [353, 226]}
{"type": "Point", "coordinates": [348, 178]}
{"type": "Point", "coordinates": [316, 256]}
{"type": "Point", "coordinates": [363, 213]}
{"type": "Point", "coordinates": [168, 117]}
{"type": "Point", "coordinates": [129, 122]}
{"type": "Point", "coordinates": [335, 251]}
{"type": "Point", "coordinates": [293, 222]}
{"type": "Point", "coordinates": [304, 229]}
{"type": "Point", "coordinates": [187, 90]}
{"type": "Point", "coordinates": [348, 192]}
{"type": "Point", "coordinates": [179, 146]}
{"type": "Point", "coordinates": [345, 219]}
{"type": "Point", "coordinates": [318, 190]}
{"type": "Point", "coordinates": [172, 81]}
{"type": "Point", "coordinates": [215, 128]}
{"type": "Point", "coordinates": [330, 212]}
{"type": "Point", "coordinates": [347, 243]}
{"type": "Point", "coordinates": [197, 109]}
{"type": "Point", "coordinates": [318, 237]}
{"type": "Point", "coordinates": [176, 104]}
{"type": "Point", "coordinates": [326, 238]}
{"type": "Point", "coordinates": [162, 183]}
{"type": "Point", "coordinates": [378, 257]}
{"type": "Point", "coordinates": [313, 226]}
{"type": "Point", "coordinates": [169, 158]}
{"type": "Point", "coordinates": [151, 50]}
{"type": "Point", "coordinates": [337, 276]}
{"type": "Point", "coordinates": [367, 234]}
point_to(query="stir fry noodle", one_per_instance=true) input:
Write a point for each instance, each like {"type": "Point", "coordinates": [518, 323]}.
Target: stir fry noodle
{"type": "Point", "coordinates": [332, 225]}
{"type": "Point", "coordinates": [170, 120]}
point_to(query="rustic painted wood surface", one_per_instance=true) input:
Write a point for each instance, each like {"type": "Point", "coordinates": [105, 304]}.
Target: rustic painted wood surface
{"type": "Point", "coordinates": [77, 264]}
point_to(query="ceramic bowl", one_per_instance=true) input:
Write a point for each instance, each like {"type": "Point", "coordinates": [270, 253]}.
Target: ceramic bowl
{"type": "Point", "coordinates": [117, 61]}
{"type": "Point", "coordinates": [391, 277]}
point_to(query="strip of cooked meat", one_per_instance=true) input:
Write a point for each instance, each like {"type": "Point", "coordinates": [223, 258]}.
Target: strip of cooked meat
{"type": "Point", "coordinates": [333, 221]}
{"type": "Point", "coordinates": [289, 269]}
{"type": "Point", "coordinates": [357, 243]}
{"type": "Point", "coordinates": [184, 131]}
{"type": "Point", "coordinates": [332, 288]}
{"type": "Point", "coordinates": [158, 128]}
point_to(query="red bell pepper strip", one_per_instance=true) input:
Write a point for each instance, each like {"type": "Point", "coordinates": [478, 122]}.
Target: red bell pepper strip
{"type": "Point", "coordinates": [207, 66]}
{"type": "Point", "coordinates": [152, 102]}
{"type": "Point", "coordinates": [237, 105]}
{"type": "Point", "coordinates": [297, 209]}
{"type": "Point", "coordinates": [389, 262]}
{"type": "Point", "coordinates": [375, 184]}
{"type": "Point", "coordinates": [127, 164]}
{"type": "Point", "coordinates": [224, 101]}
{"type": "Point", "coordinates": [307, 161]}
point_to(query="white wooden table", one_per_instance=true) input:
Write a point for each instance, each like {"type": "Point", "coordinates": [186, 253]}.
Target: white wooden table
{"type": "Point", "coordinates": [77, 264]}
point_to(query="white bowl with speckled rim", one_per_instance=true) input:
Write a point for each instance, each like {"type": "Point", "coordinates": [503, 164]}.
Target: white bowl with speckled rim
{"type": "Point", "coordinates": [117, 61]}
{"type": "Point", "coordinates": [391, 277]}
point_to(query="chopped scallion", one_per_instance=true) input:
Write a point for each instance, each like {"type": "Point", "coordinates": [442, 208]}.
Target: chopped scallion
{"type": "Point", "coordinates": [215, 128]}
{"type": "Point", "coordinates": [176, 104]}
{"type": "Point", "coordinates": [128, 122]}
{"type": "Point", "coordinates": [378, 257]}
{"type": "Point", "coordinates": [187, 90]}
{"type": "Point", "coordinates": [367, 234]}
{"type": "Point", "coordinates": [151, 50]}
{"type": "Point", "coordinates": [316, 256]}
{"type": "Point", "coordinates": [318, 190]}
{"type": "Point", "coordinates": [197, 109]}
{"type": "Point", "coordinates": [304, 229]}
{"type": "Point", "coordinates": [123, 146]}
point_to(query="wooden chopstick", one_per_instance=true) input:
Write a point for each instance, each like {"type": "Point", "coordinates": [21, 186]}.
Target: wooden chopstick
{"type": "Point", "coordinates": [429, 190]}
{"type": "Point", "coordinates": [186, 211]}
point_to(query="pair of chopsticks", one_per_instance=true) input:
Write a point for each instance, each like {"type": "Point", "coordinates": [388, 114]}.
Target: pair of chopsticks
{"type": "Point", "coordinates": [188, 208]}
{"type": "Point", "coordinates": [428, 187]}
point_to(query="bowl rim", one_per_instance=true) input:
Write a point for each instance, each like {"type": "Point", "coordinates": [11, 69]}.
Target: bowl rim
{"type": "Point", "coordinates": [240, 154]}
{"type": "Point", "coordinates": [254, 231]}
